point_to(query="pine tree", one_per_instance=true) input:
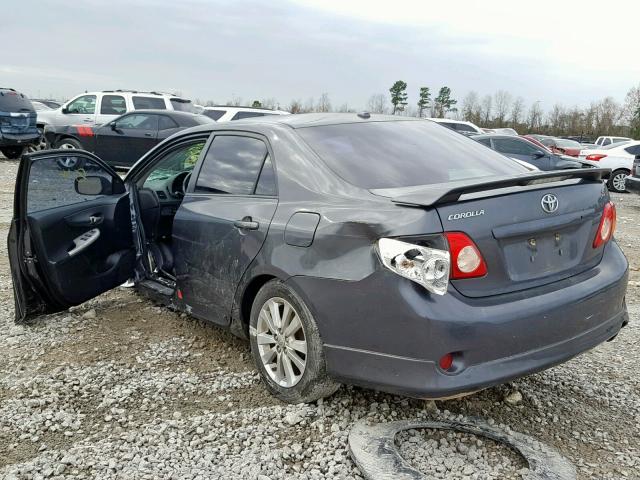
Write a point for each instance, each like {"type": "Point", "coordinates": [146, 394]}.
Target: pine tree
{"type": "Point", "coordinates": [444, 103]}
{"type": "Point", "coordinates": [398, 96]}
{"type": "Point", "coordinates": [424, 101]}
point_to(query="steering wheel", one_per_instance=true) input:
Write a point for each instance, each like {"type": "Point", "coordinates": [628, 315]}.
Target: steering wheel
{"type": "Point", "coordinates": [185, 182]}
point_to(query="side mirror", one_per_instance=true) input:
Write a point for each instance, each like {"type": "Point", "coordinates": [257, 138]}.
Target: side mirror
{"type": "Point", "coordinates": [65, 110]}
{"type": "Point", "coordinates": [114, 126]}
{"type": "Point", "coordinates": [538, 154]}
{"type": "Point", "coordinates": [93, 185]}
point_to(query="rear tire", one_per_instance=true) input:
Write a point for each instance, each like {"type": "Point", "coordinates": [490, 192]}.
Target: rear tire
{"type": "Point", "coordinates": [12, 153]}
{"type": "Point", "coordinates": [289, 356]}
{"type": "Point", "coordinates": [616, 180]}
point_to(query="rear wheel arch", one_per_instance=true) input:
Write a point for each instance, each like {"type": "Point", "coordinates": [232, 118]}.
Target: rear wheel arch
{"type": "Point", "coordinates": [241, 314]}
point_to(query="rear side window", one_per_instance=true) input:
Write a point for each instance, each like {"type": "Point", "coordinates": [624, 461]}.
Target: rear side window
{"type": "Point", "coordinates": [151, 103]}
{"type": "Point", "coordinates": [633, 150]}
{"type": "Point", "coordinates": [182, 105]}
{"type": "Point", "coordinates": [403, 153]}
{"type": "Point", "coordinates": [231, 165]}
{"type": "Point", "coordinates": [267, 182]}
{"type": "Point", "coordinates": [513, 146]}
{"type": "Point", "coordinates": [138, 121]}
{"type": "Point", "coordinates": [463, 127]}
{"type": "Point", "coordinates": [606, 141]}
{"type": "Point", "coordinates": [241, 115]}
{"type": "Point", "coordinates": [113, 105]}
{"type": "Point", "coordinates": [11, 101]}
{"type": "Point", "coordinates": [485, 141]}
{"type": "Point", "coordinates": [214, 114]}
{"type": "Point", "coordinates": [165, 123]}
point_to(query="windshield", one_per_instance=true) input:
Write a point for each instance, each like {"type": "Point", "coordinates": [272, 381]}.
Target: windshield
{"type": "Point", "coordinates": [403, 153]}
{"type": "Point", "coordinates": [614, 145]}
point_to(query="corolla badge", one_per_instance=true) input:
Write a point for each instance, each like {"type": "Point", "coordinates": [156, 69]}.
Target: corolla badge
{"type": "Point", "coordinates": [458, 216]}
{"type": "Point", "coordinates": [549, 203]}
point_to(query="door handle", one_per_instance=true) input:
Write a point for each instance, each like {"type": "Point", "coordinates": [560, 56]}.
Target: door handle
{"type": "Point", "coordinates": [148, 134]}
{"type": "Point", "coordinates": [246, 224]}
{"type": "Point", "coordinates": [95, 219]}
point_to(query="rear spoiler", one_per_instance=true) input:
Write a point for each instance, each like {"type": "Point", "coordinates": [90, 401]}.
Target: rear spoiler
{"type": "Point", "coordinates": [430, 195]}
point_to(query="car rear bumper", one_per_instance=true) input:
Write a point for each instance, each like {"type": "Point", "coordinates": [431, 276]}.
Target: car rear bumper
{"type": "Point", "coordinates": [387, 333]}
{"type": "Point", "coordinates": [18, 140]}
{"type": "Point", "coordinates": [632, 184]}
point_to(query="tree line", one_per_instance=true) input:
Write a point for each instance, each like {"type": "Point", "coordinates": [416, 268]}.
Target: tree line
{"type": "Point", "coordinates": [499, 110]}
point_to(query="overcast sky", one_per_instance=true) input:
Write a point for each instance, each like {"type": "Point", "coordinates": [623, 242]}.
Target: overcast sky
{"type": "Point", "coordinates": [570, 52]}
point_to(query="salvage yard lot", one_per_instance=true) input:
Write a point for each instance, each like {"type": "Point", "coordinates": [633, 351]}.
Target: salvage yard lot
{"type": "Point", "coordinates": [121, 388]}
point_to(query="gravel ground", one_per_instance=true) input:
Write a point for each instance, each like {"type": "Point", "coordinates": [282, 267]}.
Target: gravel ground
{"type": "Point", "coordinates": [120, 388]}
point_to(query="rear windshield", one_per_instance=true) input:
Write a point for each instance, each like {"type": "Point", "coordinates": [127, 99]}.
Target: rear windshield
{"type": "Point", "coordinates": [214, 114]}
{"type": "Point", "coordinates": [403, 153]}
{"type": "Point", "coordinates": [561, 142]}
{"type": "Point", "coordinates": [182, 105]}
{"type": "Point", "coordinates": [14, 102]}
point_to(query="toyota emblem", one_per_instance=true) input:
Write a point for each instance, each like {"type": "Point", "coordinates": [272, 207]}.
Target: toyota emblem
{"type": "Point", "coordinates": [549, 203]}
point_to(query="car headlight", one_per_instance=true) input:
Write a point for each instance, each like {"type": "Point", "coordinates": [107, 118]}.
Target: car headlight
{"type": "Point", "coordinates": [426, 266]}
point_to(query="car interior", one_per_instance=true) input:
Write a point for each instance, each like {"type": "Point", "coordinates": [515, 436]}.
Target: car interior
{"type": "Point", "coordinates": [160, 192]}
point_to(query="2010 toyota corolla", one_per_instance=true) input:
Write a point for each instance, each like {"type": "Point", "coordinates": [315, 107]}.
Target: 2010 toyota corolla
{"type": "Point", "coordinates": [381, 251]}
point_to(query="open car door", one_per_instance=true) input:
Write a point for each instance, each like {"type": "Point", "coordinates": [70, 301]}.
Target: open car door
{"type": "Point", "coordinates": [71, 237]}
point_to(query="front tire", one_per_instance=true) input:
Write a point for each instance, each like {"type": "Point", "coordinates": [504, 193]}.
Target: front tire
{"type": "Point", "coordinates": [616, 180]}
{"type": "Point", "coordinates": [286, 346]}
{"type": "Point", "coordinates": [12, 153]}
{"type": "Point", "coordinates": [69, 163]}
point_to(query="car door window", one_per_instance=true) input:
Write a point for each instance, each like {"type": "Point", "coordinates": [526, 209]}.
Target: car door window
{"type": "Point", "coordinates": [606, 141]}
{"type": "Point", "coordinates": [52, 181]}
{"type": "Point", "coordinates": [181, 159]}
{"type": "Point", "coordinates": [151, 103]}
{"type": "Point", "coordinates": [166, 123]}
{"type": "Point", "coordinates": [267, 181]}
{"type": "Point", "coordinates": [85, 104]}
{"type": "Point", "coordinates": [113, 105]}
{"type": "Point", "coordinates": [143, 121]}
{"type": "Point", "coordinates": [485, 141]}
{"type": "Point", "coordinates": [513, 147]}
{"type": "Point", "coordinates": [232, 165]}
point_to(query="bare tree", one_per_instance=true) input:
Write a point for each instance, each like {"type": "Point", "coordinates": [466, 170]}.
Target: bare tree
{"type": "Point", "coordinates": [324, 104]}
{"type": "Point", "coordinates": [295, 106]}
{"type": "Point", "coordinates": [377, 103]}
{"type": "Point", "coordinates": [534, 118]}
{"type": "Point", "coordinates": [486, 109]}
{"type": "Point", "coordinates": [269, 103]}
{"type": "Point", "coordinates": [502, 101]}
{"type": "Point", "coordinates": [344, 108]}
{"type": "Point", "coordinates": [309, 106]}
{"type": "Point", "coordinates": [517, 111]}
{"type": "Point", "coordinates": [471, 107]}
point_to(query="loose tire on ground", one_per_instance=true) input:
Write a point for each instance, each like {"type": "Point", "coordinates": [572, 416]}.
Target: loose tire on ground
{"type": "Point", "coordinates": [313, 383]}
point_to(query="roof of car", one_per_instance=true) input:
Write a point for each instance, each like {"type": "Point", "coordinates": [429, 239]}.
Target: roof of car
{"type": "Point", "coordinates": [302, 120]}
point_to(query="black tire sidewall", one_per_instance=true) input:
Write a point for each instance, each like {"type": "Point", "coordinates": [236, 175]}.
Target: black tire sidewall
{"type": "Point", "coordinates": [315, 370]}
{"type": "Point", "coordinates": [613, 174]}
{"type": "Point", "coordinates": [70, 141]}
{"type": "Point", "coordinates": [12, 153]}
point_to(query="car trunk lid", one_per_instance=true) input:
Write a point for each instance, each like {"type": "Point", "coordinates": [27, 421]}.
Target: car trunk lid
{"type": "Point", "coordinates": [530, 231]}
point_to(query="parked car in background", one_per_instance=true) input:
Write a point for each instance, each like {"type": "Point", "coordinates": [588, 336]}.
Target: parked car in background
{"type": "Point", "coordinates": [98, 108]}
{"type": "Point", "coordinates": [122, 141]}
{"type": "Point", "coordinates": [632, 182]}
{"type": "Point", "coordinates": [537, 142]}
{"type": "Point", "coordinates": [18, 128]}
{"type": "Point", "coordinates": [466, 128]}
{"type": "Point", "coordinates": [53, 104]}
{"type": "Point", "coordinates": [562, 146]}
{"type": "Point", "coordinates": [616, 156]}
{"type": "Point", "coordinates": [223, 113]}
{"type": "Point", "coordinates": [505, 131]}
{"type": "Point", "coordinates": [604, 141]}
{"type": "Point", "coordinates": [522, 149]}
{"type": "Point", "coordinates": [39, 106]}
{"type": "Point", "coordinates": [457, 268]}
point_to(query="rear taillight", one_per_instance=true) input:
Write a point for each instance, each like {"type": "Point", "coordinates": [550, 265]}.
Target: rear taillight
{"type": "Point", "coordinates": [466, 259]}
{"type": "Point", "coordinates": [595, 157]}
{"type": "Point", "coordinates": [607, 225]}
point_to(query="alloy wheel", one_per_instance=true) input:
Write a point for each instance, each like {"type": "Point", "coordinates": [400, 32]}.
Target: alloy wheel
{"type": "Point", "coordinates": [618, 182]}
{"type": "Point", "coordinates": [282, 343]}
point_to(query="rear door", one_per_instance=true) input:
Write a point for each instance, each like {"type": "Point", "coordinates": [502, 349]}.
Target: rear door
{"type": "Point", "coordinates": [223, 221]}
{"type": "Point", "coordinates": [70, 238]}
{"type": "Point", "coordinates": [123, 141]}
{"type": "Point", "coordinates": [111, 106]}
